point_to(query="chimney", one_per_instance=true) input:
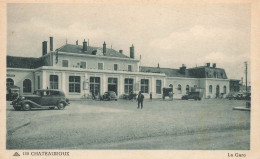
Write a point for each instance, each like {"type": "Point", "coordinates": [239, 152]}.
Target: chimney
{"type": "Point", "coordinates": [51, 43]}
{"type": "Point", "coordinates": [77, 42]}
{"type": "Point", "coordinates": [121, 51]}
{"type": "Point", "coordinates": [44, 48]}
{"type": "Point", "coordinates": [208, 64]}
{"type": "Point", "coordinates": [132, 52]}
{"type": "Point", "coordinates": [104, 48]}
{"type": "Point", "coordinates": [214, 65]}
{"type": "Point", "coordinates": [84, 46]}
{"type": "Point", "coordinates": [182, 69]}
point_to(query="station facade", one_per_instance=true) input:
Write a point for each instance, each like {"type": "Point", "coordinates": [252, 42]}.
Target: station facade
{"type": "Point", "coordinates": [81, 70]}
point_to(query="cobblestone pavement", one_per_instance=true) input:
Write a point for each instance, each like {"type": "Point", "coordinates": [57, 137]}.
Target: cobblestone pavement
{"type": "Point", "coordinates": [87, 124]}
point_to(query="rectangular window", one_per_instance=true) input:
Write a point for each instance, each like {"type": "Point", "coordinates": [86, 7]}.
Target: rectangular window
{"type": "Point", "coordinates": [65, 63]}
{"type": "Point", "coordinates": [158, 86]}
{"type": "Point", "coordinates": [129, 67]}
{"type": "Point", "coordinates": [100, 66]}
{"type": "Point", "coordinates": [39, 82]}
{"type": "Point", "coordinates": [54, 83]}
{"type": "Point", "coordinates": [115, 67]}
{"type": "Point", "coordinates": [94, 85]}
{"type": "Point", "coordinates": [129, 84]}
{"type": "Point", "coordinates": [145, 85]}
{"type": "Point", "coordinates": [74, 84]}
{"type": "Point", "coordinates": [83, 65]}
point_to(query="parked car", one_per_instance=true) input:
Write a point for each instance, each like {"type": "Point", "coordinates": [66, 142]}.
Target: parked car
{"type": "Point", "coordinates": [231, 96]}
{"type": "Point", "coordinates": [44, 98]}
{"type": "Point", "coordinates": [129, 96]}
{"type": "Point", "coordinates": [110, 95]}
{"type": "Point", "coordinates": [192, 95]}
{"type": "Point", "coordinates": [167, 92]}
{"type": "Point", "coordinates": [12, 92]}
{"type": "Point", "coordinates": [243, 96]}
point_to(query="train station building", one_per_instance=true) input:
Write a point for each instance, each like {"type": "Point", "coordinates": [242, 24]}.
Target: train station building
{"type": "Point", "coordinates": [80, 70]}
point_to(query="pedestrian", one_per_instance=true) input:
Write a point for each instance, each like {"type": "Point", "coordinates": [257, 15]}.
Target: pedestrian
{"type": "Point", "coordinates": [171, 96]}
{"type": "Point", "coordinates": [151, 96]}
{"type": "Point", "coordinates": [140, 99]}
{"type": "Point", "coordinates": [93, 95]}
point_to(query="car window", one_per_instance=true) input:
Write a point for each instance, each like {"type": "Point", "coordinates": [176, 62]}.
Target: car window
{"type": "Point", "coordinates": [45, 93]}
{"type": "Point", "coordinates": [39, 93]}
{"type": "Point", "coordinates": [54, 93]}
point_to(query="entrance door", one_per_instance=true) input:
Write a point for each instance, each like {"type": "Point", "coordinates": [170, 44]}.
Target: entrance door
{"type": "Point", "coordinates": [112, 84]}
{"type": "Point", "coordinates": [217, 91]}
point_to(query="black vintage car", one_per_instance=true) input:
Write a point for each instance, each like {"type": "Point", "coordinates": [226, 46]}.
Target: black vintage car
{"type": "Point", "coordinates": [110, 95]}
{"type": "Point", "coordinates": [192, 95]}
{"type": "Point", "coordinates": [167, 92]}
{"type": "Point", "coordinates": [44, 98]}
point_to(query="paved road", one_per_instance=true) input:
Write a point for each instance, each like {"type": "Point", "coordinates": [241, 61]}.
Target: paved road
{"type": "Point", "coordinates": [188, 125]}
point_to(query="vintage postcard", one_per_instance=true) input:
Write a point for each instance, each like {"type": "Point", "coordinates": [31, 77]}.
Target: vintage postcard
{"type": "Point", "coordinates": [130, 79]}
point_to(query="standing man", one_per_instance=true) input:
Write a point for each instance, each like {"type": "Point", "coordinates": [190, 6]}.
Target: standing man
{"type": "Point", "coordinates": [140, 99]}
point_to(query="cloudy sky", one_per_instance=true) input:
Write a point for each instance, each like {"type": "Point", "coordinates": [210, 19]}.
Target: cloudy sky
{"type": "Point", "coordinates": [168, 34]}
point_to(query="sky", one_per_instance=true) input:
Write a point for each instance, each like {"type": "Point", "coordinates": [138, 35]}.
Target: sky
{"type": "Point", "coordinates": [168, 34]}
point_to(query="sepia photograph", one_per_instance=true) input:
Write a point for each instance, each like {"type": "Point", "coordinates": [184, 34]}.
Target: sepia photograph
{"type": "Point", "coordinates": [128, 76]}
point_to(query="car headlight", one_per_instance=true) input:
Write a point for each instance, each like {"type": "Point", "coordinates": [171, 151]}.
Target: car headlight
{"type": "Point", "coordinates": [22, 98]}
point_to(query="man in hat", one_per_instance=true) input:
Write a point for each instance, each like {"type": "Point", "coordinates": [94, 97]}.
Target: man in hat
{"type": "Point", "coordinates": [140, 99]}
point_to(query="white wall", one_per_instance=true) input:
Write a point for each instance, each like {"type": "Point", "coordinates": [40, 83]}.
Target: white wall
{"type": "Point", "coordinates": [19, 76]}
{"type": "Point", "coordinates": [85, 77]}
{"type": "Point", "coordinates": [214, 83]}
{"type": "Point", "coordinates": [175, 81]}
{"type": "Point", "coordinates": [92, 62]}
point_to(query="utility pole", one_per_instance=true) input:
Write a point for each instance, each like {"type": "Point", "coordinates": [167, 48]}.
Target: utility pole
{"type": "Point", "coordinates": [246, 74]}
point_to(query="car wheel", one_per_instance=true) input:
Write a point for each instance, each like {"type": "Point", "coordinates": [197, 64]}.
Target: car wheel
{"type": "Point", "coordinates": [61, 105]}
{"type": "Point", "coordinates": [26, 106]}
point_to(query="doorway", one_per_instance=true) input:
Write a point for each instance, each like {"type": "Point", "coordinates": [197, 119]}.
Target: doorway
{"type": "Point", "coordinates": [217, 91]}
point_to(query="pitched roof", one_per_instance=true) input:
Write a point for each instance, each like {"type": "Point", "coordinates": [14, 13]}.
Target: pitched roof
{"type": "Point", "coordinates": [196, 72]}
{"type": "Point", "coordinates": [167, 71]}
{"type": "Point", "coordinates": [22, 62]}
{"type": "Point", "coordinates": [70, 48]}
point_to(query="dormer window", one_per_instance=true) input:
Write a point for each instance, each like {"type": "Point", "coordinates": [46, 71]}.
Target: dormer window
{"type": "Point", "coordinates": [215, 74]}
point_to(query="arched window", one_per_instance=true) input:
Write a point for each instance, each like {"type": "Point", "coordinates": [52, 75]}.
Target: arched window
{"type": "Point", "coordinates": [179, 89]}
{"type": "Point", "coordinates": [187, 89]}
{"type": "Point", "coordinates": [27, 86]}
{"type": "Point", "coordinates": [9, 82]}
{"type": "Point", "coordinates": [210, 88]}
{"type": "Point", "coordinates": [224, 89]}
